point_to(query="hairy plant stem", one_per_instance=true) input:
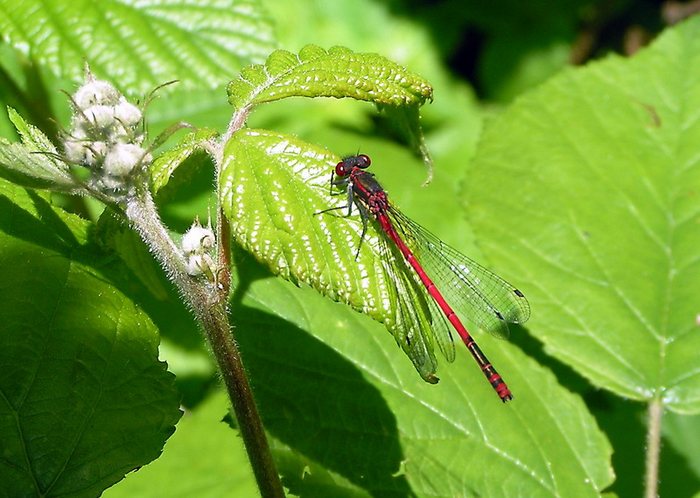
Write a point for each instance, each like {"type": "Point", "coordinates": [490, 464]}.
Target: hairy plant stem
{"type": "Point", "coordinates": [208, 303]}
{"type": "Point", "coordinates": [653, 448]}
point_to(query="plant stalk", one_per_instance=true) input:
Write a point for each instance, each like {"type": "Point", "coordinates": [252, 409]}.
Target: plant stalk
{"type": "Point", "coordinates": [653, 449]}
{"type": "Point", "coordinates": [209, 307]}
{"type": "Point", "coordinates": [232, 371]}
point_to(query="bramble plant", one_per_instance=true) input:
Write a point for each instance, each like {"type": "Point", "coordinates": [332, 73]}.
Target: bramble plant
{"type": "Point", "coordinates": [583, 192]}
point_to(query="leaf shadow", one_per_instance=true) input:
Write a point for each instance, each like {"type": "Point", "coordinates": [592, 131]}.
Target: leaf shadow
{"type": "Point", "coordinates": [338, 420]}
{"type": "Point", "coordinates": [45, 230]}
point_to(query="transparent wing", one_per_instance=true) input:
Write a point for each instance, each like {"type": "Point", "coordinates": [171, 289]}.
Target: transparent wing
{"type": "Point", "coordinates": [419, 322]}
{"type": "Point", "coordinates": [475, 293]}
{"type": "Point", "coordinates": [417, 310]}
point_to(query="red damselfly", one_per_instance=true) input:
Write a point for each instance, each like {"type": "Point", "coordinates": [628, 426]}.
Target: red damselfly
{"type": "Point", "coordinates": [449, 280]}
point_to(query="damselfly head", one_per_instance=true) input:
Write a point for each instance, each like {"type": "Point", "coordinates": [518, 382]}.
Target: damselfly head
{"type": "Point", "coordinates": [344, 167]}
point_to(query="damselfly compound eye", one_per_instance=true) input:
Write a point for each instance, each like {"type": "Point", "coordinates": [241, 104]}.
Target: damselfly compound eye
{"type": "Point", "coordinates": [363, 161]}
{"type": "Point", "coordinates": [341, 169]}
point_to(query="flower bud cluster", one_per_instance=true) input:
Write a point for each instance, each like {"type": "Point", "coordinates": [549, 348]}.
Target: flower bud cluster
{"type": "Point", "coordinates": [106, 135]}
{"type": "Point", "coordinates": [197, 245]}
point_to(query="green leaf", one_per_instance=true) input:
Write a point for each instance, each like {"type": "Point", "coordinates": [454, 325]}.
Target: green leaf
{"type": "Point", "coordinates": [84, 398]}
{"type": "Point", "coordinates": [335, 390]}
{"type": "Point", "coordinates": [272, 187]}
{"type": "Point", "coordinates": [164, 165]}
{"type": "Point", "coordinates": [337, 72]}
{"type": "Point", "coordinates": [586, 190]}
{"type": "Point", "coordinates": [33, 163]}
{"type": "Point", "coordinates": [141, 45]}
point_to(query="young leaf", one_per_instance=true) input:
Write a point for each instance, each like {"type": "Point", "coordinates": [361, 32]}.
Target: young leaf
{"type": "Point", "coordinates": [85, 399]}
{"type": "Point", "coordinates": [141, 45]}
{"type": "Point", "coordinates": [272, 186]}
{"type": "Point", "coordinates": [33, 163]}
{"type": "Point", "coordinates": [164, 165]}
{"type": "Point", "coordinates": [586, 189]}
{"type": "Point", "coordinates": [337, 72]}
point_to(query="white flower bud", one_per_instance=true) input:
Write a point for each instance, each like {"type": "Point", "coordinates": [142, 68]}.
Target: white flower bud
{"type": "Point", "coordinates": [75, 150]}
{"type": "Point", "coordinates": [198, 264]}
{"type": "Point", "coordinates": [123, 158]}
{"type": "Point", "coordinates": [127, 113]}
{"type": "Point", "coordinates": [100, 116]}
{"type": "Point", "coordinates": [197, 239]}
{"type": "Point", "coordinates": [96, 92]}
{"type": "Point", "coordinates": [84, 152]}
{"type": "Point", "coordinates": [105, 135]}
{"type": "Point", "coordinates": [95, 152]}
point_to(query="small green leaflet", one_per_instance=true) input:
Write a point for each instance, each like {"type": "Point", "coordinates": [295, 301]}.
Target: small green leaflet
{"type": "Point", "coordinates": [164, 165]}
{"type": "Point", "coordinates": [32, 163]}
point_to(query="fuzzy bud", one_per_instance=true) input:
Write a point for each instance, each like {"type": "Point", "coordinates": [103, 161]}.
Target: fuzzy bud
{"type": "Point", "coordinates": [75, 150]}
{"type": "Point", "coordinates": [127, 113]}
{"type": "Point", "coordinates": [198, 264]}
{"type": "Point", "coordinates": [197, 239]}
{"type": "Point", "coordinates": [96, 92]}
{"type": "Point", "coordinates": [123, 158]}
{"type": "Point", "coordinates": [84, 152]}
{"type": "Point", "coordinates": [106, 136]}
{"type": "Point", "coordinates": [100, 116]}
